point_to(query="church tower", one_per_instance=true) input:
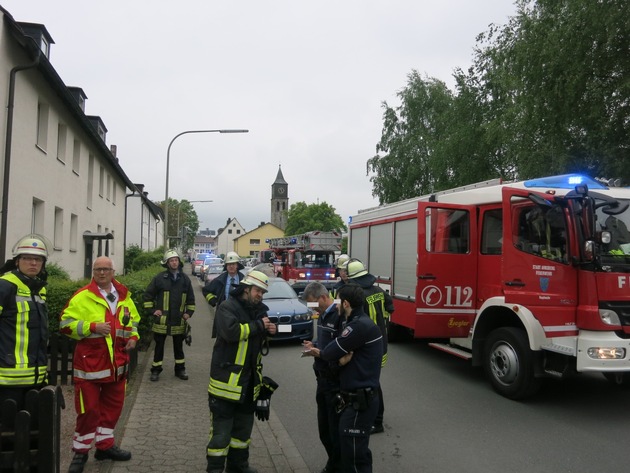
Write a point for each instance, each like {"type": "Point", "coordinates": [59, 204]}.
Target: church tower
{"type": "Point", "coordinates": [279, 201]}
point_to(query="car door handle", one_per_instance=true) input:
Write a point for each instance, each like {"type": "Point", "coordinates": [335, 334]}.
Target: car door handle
{"type": "Point", "coordinates": [427, 276]}
{"type": "Point", "coordinates": [515, 283]}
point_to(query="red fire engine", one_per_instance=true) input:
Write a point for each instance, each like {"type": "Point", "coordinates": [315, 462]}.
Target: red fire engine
{"type": "Point", "coordinates": [307, 257]}
{"type": "Point", "coordinates": [528, 279]}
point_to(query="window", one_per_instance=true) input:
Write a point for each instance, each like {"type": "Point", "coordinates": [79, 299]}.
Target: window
{"type": "Point", "coordinates": [42, 125]}
{"type": "Point", "coordinates": [230, 231]}
{"type": "Point", "coordinates": [90, 185]}
{"type": "Point", "coordinates": [74, 231]}
{"type": "Point", "coordinates": [254, 241]}
{"type": "Point", "coordinates": [114, 192]}
{"type": "Point", "coordinates": [492, 232]}
{"type": "Point", "coordinates": [58, 230]}
{"type": "Point", "coordinates": [37, 217]}
{"type": "Point", "coordinates": [109, 186]}
{"type": "Point", "coordinates": [101, 181]}
{"type": "Point", "coordinates": [447, 230]}
{"type": "Point", "coordinates": [540, 231]}
{"type": "Point", "coordinates": [76, 157]}
{"type": "Point", "coordinates": [238, 232]}
{"type": "Point", "coordinates": [62, 131]}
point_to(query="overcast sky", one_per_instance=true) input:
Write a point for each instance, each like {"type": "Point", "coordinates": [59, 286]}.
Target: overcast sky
{"type": "Point", "coordinates": [306, 78]}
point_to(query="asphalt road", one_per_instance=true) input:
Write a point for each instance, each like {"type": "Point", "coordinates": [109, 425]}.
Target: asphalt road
{"type": "Point", "coordinates": [442, 416]}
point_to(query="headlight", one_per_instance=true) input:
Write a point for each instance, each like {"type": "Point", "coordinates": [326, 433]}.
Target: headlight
{"type": "Point", "coordinates": [302, 317]}
{"type": "Point", "coordinates": [607, 353]}
{"type": "Point", "coordinates": [609, 317]}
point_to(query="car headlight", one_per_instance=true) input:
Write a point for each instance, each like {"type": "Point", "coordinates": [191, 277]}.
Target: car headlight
{"type": "Point", "coordinates": [302, 317]}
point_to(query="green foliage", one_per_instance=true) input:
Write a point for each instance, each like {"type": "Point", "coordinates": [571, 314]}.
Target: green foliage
{"type": "Point", "coordinates": [183, 223]}
{"type": "Point", "coordinates": [147, 259]}
{"type": "Point", "coordinates": [137, 282]}
{"type": "Point", "coordinates": [58, 293]}
{"type": "Point", "coordinates": [56, 271]}
{"type": "Point", "coordinates": [548, 93]}
{"type": "Point", "coordinates": [303, 218]}
{"type": "Point", "coordinates": [131, 253]}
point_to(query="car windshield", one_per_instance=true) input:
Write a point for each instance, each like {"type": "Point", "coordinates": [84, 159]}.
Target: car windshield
{"type": "Point", "coordinates": [212, 261]}
{"type": "Point", "coordinates": [280, 290]}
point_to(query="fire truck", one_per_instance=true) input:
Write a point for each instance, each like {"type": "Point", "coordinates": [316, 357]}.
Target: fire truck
{"type": "Point", "coordinates": [300, 259]}
{"type": "Point", "coordinates": [528, 279]}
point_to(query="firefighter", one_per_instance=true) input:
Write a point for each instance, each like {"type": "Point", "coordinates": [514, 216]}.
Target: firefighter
{"type": "Point", "coordinates": [218, 290]}
{"type": "Point", "coordinates": [170, 299]}
{"type": "Point", "coordinates": [104, 320]}
{"type": "Point", "coordinates": [329, 327]}
{"type": "Point", "coordinates": [341, 273]}
{"type": "Point", "coordinates": [359, 352]}
{"type": "Point", "coordinates": [236, 381]}
{"type": "Point", "coordinates": [24, 320]}
{"type": "Point", "coordinates": [378, 305]}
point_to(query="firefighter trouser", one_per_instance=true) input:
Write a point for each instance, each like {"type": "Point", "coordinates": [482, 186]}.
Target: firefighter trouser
{"type": "Point", "coordinates": [354, 437]}
{"type": "Point", "coordinates": [178, 350]}
{"type": "Point", "coordinates": [98, 407]}
{"type": "Point", "coordinates": [328, 421]}
{"type": "Point", "coordinates": [232, 424]}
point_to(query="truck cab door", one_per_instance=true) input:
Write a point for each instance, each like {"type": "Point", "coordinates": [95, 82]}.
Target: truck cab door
{"type": "Point", "coordinates": [446, 270]}
{"type": "Point", "coordinates": [536, 268]}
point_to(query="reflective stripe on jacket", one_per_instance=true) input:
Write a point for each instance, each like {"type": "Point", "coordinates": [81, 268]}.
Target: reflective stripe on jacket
{"type": "Point", "coordinates": [173, 298]}
{"type": "Point", "coordinates": [100, 358]}
{"type": "Point", "coordinates": [23, 331]}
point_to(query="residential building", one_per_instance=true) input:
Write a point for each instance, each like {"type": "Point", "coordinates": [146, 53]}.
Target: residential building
{"type": "Point", "coordinates": [144, 222]}
{"type": "Point", "coordinates": [204, 244]}
{"type": "Point", "coordinates": [250, 243]}
{"type": "Point", "coordinates": [58, 176]}
{"type": "Point", "coordinates": [226, 235]}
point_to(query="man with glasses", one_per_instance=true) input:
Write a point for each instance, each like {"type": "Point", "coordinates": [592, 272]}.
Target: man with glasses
{"type": "Point", "coordinates": [23, 320]}
{"type": "Point", "coordinates": [104, 320]}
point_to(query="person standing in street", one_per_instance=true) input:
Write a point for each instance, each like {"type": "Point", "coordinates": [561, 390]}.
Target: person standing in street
{"type": "Point", "coordinates": [378, 305]}
{"type": "Point", "coordinates": [104, 320]}
{"type": "Point", "coordinates": [236, 381]}
{"type": "Point", "coordinates": [329, 327]}
{"type": "Point", "coordinates": [218, 290]}
{"type": "Point", "coordinates": [23, 320]}
{"type": "Point", "coordinates": [342, 274]}
{"type": "Point", "coordinates": [359, 352]}
{"type": "Point", "coordinates": [171, 300]}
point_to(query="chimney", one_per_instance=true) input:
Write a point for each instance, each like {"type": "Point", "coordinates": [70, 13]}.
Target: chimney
{"type": "Point", "coordinates": [114, 150]}
{"type": "Point", "coordinates": [140, 187]}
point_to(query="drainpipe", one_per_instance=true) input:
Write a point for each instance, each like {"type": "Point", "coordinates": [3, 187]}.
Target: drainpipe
{"type": "Point", "coordinates": [7, 155]}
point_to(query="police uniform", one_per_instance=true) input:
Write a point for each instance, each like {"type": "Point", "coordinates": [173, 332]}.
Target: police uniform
{"type": "Point", "coordinates": [329, 327]}
{"type": "Point", "coordinates": [359, 383]}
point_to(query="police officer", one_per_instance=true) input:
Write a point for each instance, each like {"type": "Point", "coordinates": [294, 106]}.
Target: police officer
{"type": "Point", "coordinates": [329, 327]}
{"type": "Point", "coordinates": [236, 374]}
{"type": "Point", "coordinates": [359, 352]}
{"type": "Point", "coordinates": [218, 290]}
{"type": "Point", "coordinates": [24, 320]}
{"type": "Point", "coordinates": [378, 305]}
{"type": "Point", "coordinates": [170, 298]}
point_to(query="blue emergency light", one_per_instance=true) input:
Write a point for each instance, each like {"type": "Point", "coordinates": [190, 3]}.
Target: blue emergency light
{"type": "Point", "coordinates": [565, 181]}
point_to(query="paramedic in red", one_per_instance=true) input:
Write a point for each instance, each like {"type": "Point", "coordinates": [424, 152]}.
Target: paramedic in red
{"type": "Point", "coordinates": [104, 320]}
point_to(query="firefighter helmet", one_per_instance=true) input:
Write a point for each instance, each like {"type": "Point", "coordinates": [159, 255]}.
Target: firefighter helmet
{"type": "Point", "coordinates": [168, 254]}
{"type": "Point", "coordinates": [232, 257]}
{"type": "Point", "coordinates": [341, 261]}
{"type": "Point", "coordinates": [32, 244]}
{"type": "Point", "coordinates": [256, 278]}
{"type": "Point", "coordinates": [355, 268]}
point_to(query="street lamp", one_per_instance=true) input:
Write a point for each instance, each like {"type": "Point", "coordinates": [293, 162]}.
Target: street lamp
{"type": "Point", "coordinates": [179, 207]}
{"type": "Point", "coordinates": [168, 161]}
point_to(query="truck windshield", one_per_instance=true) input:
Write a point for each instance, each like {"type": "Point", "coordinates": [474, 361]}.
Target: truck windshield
{"type": "Point", "coordinates": [618, 250]}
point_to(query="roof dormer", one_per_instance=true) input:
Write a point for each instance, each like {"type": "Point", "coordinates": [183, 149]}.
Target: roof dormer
{"type": "Point", "coordinates": [40, 34]}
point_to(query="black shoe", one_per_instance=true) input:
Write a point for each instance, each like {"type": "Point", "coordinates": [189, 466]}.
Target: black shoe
{"type": "Point", "coordinates": [182, 375]}
{"type": "Point", "coordinates": [377, 429]}
{"type": "Point", "coordinates": [155, 376]}
{"type": "Point", "coordinates": [114, 453]}
{"type": "Point", "coordinates": [78, 462]}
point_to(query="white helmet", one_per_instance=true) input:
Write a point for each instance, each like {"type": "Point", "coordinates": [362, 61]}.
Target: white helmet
{"type": "Point", "coordinates": [355, 268]}
{"type": "Point", "coordinates": [168, 254]}
{"type": "Point", "coordinates": [256, 278]}
{"type": "Point", "coordinates": [341, 261]}
{"type": "Point", "coordinates": [32, 244]}
{"type": "Point", "coordinates": [232, 257]}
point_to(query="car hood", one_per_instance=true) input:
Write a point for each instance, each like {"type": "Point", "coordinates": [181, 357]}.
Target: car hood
{"type": "Point", "coordinates": [285, 306]}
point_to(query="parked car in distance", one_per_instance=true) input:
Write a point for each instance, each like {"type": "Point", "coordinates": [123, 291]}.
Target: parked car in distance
{"type": "Point", "coordinates": [198, 262]}
{"type": "Point", "coordinates": [293, 319]}
{"type": "Point", "coordinates": [211, 268]}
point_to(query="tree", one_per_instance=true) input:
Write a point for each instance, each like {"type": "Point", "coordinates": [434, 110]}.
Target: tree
{"type": "Point", "coordinates": [303, 218]}
{"type": "Point", "coordinates": [181, 213]}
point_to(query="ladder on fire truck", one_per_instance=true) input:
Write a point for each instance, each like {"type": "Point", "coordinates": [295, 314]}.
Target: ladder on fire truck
{"type": "Point", "coordinates": [316, 240]}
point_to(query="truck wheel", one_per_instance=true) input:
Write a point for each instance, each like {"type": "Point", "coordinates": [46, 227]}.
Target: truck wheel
{"type": "Point", "coordinates": [509, 363]}
{"type": "Point", "coordinates": [395, 333]}
{"type": "Point", "coordinates": [621, 379]}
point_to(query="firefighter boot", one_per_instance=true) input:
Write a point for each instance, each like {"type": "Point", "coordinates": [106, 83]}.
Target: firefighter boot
{"type": "Point", "coordinates": [78, 463]}
{"type": "Point", "coordinates": [155, 376]}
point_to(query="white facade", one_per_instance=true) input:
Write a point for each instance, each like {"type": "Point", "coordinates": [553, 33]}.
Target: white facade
{"type": "Point", "coordinates": [227, 235]}
{"type": "Point", "coordinates": [145, 222]}
{"type": "Point", "coordinates": [63, 182]}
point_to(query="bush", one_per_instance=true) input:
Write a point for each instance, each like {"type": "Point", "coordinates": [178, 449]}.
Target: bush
{"type": "Point", "coordinates": [55, 271]}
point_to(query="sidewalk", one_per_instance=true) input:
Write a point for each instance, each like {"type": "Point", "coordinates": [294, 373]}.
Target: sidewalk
{"type": "Point", "coordinates": [165, 424]}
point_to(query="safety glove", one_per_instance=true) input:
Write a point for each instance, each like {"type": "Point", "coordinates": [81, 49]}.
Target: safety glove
{"type": "Point", "coordinates": [264, 398]}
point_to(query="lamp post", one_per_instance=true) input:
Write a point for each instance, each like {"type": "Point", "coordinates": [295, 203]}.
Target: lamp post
{"type": "Point", "coordinates": [168, 161]}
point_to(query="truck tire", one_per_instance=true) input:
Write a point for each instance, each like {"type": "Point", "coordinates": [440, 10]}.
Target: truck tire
{"type": "Point", "coordinates": [509, 363]}
{"type": "Point", "coordinates": [620, 379]}
{"type": "Point", "coordinates": [395, 333]}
